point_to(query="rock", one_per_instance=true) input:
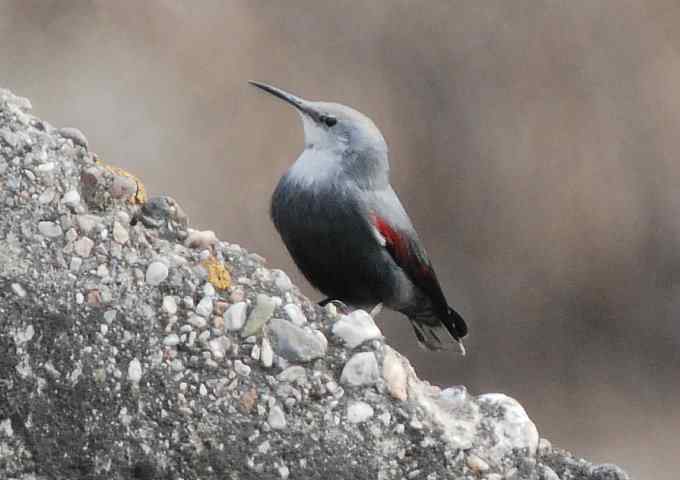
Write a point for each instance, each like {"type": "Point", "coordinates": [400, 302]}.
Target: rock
{"type": "Point", "coordinates": [295, 343]}
{"type": "Point", "coordinates": [235, 316]}
{"type": "Point", "coordinates": [134, 371]}
{"type": "Point", "coordinates": [205, 307]}
{"type": "Point", "coordinates": [395, 375]}
{"type": "Point", "coordinates": [266, 353]}
{"type": "Point", "coordinates": [359, 412]}
{"type": "Point", "coordinates": [360, 370]}
{"type": "Point", "coordinates": [83, 247]}
{"type": "Point", "coordinates": [71, 198]}
{"type": "Point", "coordinates": [49, 229]}
{"type": "Point", "coordinates": [156, 273]}
{"type": "Point", "coordinates": [169, 305]}
{"type": "Point", "coordinates": [356, 328]}
{"type": "Point", "coordinates": [281, 280]}
{"type": "Point", "coordinates": [295, 314]}
{"type": "Point", "coordinates": [120, 233]}
{"type": "Point", "coordinates": [219, 346]}
{"type": "Point", "coordinates": [106, 373]}
{"type": "Point", "coordinates": [264, 308]}
{"type": "Point", "coordinates": [276, 418]}
{"type": "Point", "coordinates": [201, 239]}
{"type": "Point", "coordinates": [75, 135]}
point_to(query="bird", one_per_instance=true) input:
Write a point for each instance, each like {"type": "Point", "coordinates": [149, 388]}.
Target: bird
{"type": "Point", "coordinates": [346, 229]}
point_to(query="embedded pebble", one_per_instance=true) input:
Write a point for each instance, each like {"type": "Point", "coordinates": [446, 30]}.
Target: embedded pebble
{"type": "Point", "coordinates": [156, 273]}
{"type": "Point", "coordinates": [134, 371]}
{"type": "Point", "coordinates": [83, 247]}
{"type": "Point", "coordinates": [358, 412]}
{"type": "Point", "coordinates": [295, 314]}
{"type": "Point", "coordinates": [171, 340]}
{"type": "Point", "coordinates": [219, 346]}
{"type": "Point", "coordinates": [73, 134]}
{"type": "Point", "coordinates": [294, 343]}
{"type": "Point", "coordinates": [276, 418]}
{"type": "Point", "coordinates": [476, 464]}
{"type": "Point", "coordinates": [205, 306]}
{"type": "Point", "coordinates": [71, 198]}
{"type": "Point", "coordinates": [200, 239]}
{"type": "Point", "coordinates": [198, 321]}
{"type": "Point", "coordinates": [266, 353]}
{"type": "Point", "coordinates": [241, 368]}
{"type": "Point", "coordinates": [18, 290]}
{"type": "Point", "coordinates": [49, 229]}
{"type": "Point", "coordinates": [235, 316]}
{"type": "Point", "coordinates": [395, 376]}
{"type": "Point", "coordinates": [356, 328]}
{"type": "Point", "coordinates": [264, 308]}
{"type": "Point", "coordinates": [361, 369]}
{"type": "Point", "coordinates": [169, 305]}
{"type": "Point", "coordinates": [120, 233]}
{"type": "Point", "coordinates": [281, 280]}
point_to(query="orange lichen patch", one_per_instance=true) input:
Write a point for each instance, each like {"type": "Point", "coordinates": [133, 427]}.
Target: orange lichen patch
{"type": "Point", "coordinates": [217, 273]}
{"type": "Point", "coordinates": [140, 196]}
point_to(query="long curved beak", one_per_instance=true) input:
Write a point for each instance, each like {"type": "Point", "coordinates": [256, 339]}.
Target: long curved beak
{"type": "Point", "coordinates": [302, 105]}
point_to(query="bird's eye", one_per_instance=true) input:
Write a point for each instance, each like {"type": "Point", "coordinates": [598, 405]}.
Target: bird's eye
{"type": "Point", "coordinates": [328, 120]}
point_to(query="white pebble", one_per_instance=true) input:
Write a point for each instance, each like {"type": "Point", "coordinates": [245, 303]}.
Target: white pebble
{"type": "Point", "coordinates": [235, 316]}
{"type": "Point", "coordinates": [295, 314]}
{"type": "Point", "coordinates": [156, 273]}
{"type": "Point", "coordinates": [358, 412]}
{"type": "Point", "coordinates": [71, 198]}
{"type": "Point", "coordinates": [49, 229]}
{"type": "Point", "coordinates": [83, 247]}
{"type": "Point", "coordinates": [169, 305]}
{"type": "Point", "coordinates": [18, 290]}
{"type": "Point", "coordinates": [205, 306]}
{"type": "Point", "coordinates": [276, 418]}
{"type": "Point", "coordinates": [134, 371]}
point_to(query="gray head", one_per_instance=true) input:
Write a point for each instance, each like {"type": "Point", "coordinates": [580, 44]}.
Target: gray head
{"type": "Point", "coordinates": [334, 127]}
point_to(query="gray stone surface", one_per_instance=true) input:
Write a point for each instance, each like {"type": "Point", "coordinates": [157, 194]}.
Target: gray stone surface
{"type": "Point", "coordinates": [103, 376]}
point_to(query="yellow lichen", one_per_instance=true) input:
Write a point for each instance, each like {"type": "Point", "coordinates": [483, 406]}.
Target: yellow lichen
{"type": "Point", "coordinates": [140, 196]}
{"type": "Point", "coordinates": [217, 273]}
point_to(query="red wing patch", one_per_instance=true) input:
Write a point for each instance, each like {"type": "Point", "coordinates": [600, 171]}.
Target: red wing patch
{"type": "Point", "coordinates": [395, 242]}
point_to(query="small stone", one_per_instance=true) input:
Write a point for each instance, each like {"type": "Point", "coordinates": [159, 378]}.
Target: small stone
{"type": "Point", "coordinates": [120, 233]}
{"type": "Point", "coordinates": [281, 280]}
{"type": "Point", "coordinates": [80, 298]}
{"type": "Point", "coordinates": [197, 321]}
{"type": "Point", "coordinates": [219, 346]}
{"type": "Point", "coordinates": [266, 353]}
{"type": "Point", "coordinates": [76, 263]}
{"type": "Point", "coordinates": [476, 464]}
{"type": "Point", "coordinates": [171, 340]}
{"type": "Point", "coordinates": [205, 306]}
{"type": "Point", "coordinates": [200, 239]}
{"type": "Point", "coordinates": [247, 400]}
{"type": "Point", "coordinates": [202, 390]}
{"type": "Point", "coordinates": [18, 290]}
{"type": "Point", "coordinates": [263, 448]}
{"type": "Point", "coordinates": [264, 308]}
{"type": "Point", "coordinates": [75, 135]}
{"type": "Point", "coordinates": [276, 418]}
{"type": "Point", "coordinates": [361, 369]}
{"type": "Point", "coordinates": [156, 273]}
{"type": "Point", "coordinates": [83, 247]}
{"type": "Point", "coordinates": [71, 198]}
{"type": "Point", "coordinates": [294, 343]}
{"type": "Point", "coordinates": [241, 368]}
{"type": "Point", "coordinates": [235, 316]}
{"type": "Point", "coordinates": [47, 196]}
{"type": "Point", "coordinates": [359, 412]}
{"type": "Point", "coordinates": [395, 376]}
{"type": "Point", "coordinates": [295, 314]}
{"type": "Point", "coordinates": [220, 307]}
{"type": "Point", "coordinates": [284, 472]}
{"type": "Point", "coordinates": [87, 222]}
{"type": "Point", "coordinates": [49, 229]}
{"type": "Point", "coordinates": [169, 305]}
{"type": "Point", "coordinates": [356, 328]}
{"type": "Point", "coordinates": [134, 371]}
{"type": "Point", "coordinates": [295, 373]}
{"type": "Point", "coordinates": [123, 187]}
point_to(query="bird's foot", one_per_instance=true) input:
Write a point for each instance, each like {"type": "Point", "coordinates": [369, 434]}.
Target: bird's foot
{"type": "Point", "coordinates": [375, 311]}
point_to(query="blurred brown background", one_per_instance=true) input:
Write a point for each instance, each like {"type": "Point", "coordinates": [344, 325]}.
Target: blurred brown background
{"type": "Point", "coordinates": [534, 144]}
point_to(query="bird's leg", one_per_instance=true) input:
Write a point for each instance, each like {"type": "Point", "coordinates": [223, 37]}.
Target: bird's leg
{"type": "Point", "coordinates": [342, 307]}
{"type": "Point", "coordinates": [375, 311]}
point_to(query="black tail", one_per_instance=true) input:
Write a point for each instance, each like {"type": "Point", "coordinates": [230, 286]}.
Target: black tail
{"type": "Point", "coordinates": [438, 333]}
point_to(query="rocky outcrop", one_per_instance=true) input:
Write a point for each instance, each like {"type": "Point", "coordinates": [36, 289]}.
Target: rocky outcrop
{"type": "Point", "coordinates": [132, 346]}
